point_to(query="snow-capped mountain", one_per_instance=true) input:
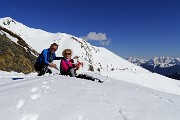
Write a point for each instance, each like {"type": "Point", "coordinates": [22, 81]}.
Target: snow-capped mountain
{"type": "Point", "coordinates": [136, 61]}
{"type": "Point", "coordinates": [103, 61]}
{"type": "Point", "coordinates": [166, 66]}
{"type": "Point", "coordinates": [164, 61]}
{"type": "Point", "coordinates": [100, 58]}
{"type": "Point", "coordinates": [156, 61]}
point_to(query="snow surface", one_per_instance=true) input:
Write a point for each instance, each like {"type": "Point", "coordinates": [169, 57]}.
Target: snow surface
{"type": "Point", "coordinates": [56, 97]}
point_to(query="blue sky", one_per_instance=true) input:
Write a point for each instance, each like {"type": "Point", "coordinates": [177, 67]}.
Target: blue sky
{"type": "Point", "coordinates": [139, 28]}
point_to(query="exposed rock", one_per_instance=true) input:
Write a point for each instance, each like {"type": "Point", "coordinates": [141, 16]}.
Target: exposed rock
{"type": "Point", "coordinates": [14, 57]}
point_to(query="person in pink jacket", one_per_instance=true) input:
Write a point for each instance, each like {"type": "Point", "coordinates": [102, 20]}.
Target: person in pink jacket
{"type": "Point", "coordinates": [67, 66]}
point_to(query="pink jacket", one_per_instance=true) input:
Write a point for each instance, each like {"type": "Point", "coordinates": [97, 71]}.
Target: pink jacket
{"type": "Point", "coordinates": [64, 66]}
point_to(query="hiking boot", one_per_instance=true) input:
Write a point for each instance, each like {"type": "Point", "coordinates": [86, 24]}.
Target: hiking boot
{"type": "Point", "coordinates": [49, 71]}
{"type": "Point", "coordinates": [98, 80]}
{"type": "Point", "coordinates": [41, 73]}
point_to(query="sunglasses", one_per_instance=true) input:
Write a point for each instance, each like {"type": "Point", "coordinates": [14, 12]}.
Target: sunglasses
{"type": "Point", "coordinates": [67, 53]}
{"type": "Point", "coordinates": [53, 49]}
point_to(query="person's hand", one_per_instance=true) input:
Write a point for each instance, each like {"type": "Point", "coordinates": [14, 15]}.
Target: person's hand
{"type": "Point", "coordinates": [52, 65]}
{"type": "Point", "coordinates": [77, 66]}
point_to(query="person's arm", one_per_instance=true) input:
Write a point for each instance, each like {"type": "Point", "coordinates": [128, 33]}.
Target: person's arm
{"type": "Point", "coordinates": [77, 65]}
{"type": "Point", "coordinates": [51, 64]}
{"type": "Point", "coordinates": [58, 58]}
{"type": "Point", "coordinates": [44, 57]}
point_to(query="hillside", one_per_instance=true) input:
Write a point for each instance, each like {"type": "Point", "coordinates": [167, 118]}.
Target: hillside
{"type": "Point", "coordinates": [91, 55]}
{"type": "Point", "coordinates": [13, 57]}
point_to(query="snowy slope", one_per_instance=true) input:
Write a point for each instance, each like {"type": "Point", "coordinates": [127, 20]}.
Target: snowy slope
{"type": "Point", "coordinates": [28, 97]}
{"type": "Point", "coordinates": [39, 39]}
{"type": "Point", "coordinates": [104, 62]}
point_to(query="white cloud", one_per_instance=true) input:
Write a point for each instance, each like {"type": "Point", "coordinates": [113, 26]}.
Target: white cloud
{"type": "Point", "coordinates": [96, 36]}
{"type": "Point", "coordinates": [101, 37]}
{"type": "Point", "coordinates": [106, 42]}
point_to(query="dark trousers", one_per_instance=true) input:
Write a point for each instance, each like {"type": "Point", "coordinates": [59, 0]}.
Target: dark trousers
{"type": "Point", "coordinates": [88, 77]}
{"type": "Point", "coordinates": [42, 68]}
{"type": "Point", "coordinates": [71, 72]}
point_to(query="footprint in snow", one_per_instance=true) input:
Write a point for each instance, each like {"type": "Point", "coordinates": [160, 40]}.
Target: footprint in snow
{"type": "Point", "coordinates": [83, 118]}
{"type": "Point", "coordinates": [45, 86]}
{"type": "Point", "coordinates": [20, 104]}
{"type": "Point", "coordinates": [156, 95]}
{"type": "Point", "coordinates": [30, 117]}
{"type": "Point", "coordinates": [125, 115]}
{"type": "Point", "coordinates": [83, 82]}
{"type": "Point", "coordinates": [44, 82]}
{"type": "Point", "coordinates": [35, 96]}
{"type": "Point", "coordinates": [34, 89]}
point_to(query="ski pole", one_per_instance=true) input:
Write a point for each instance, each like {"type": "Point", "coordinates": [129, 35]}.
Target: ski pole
{"type": "Point", "coordinates": [57, 68]}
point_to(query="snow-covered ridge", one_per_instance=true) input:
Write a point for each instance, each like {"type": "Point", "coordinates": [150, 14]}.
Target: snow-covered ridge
{"type": "Point", "coordinates": [136, 61]}
{"type": "Point", "coordinates": [161, 61]}
{"type": "Point", "coordinates": [100, 58]}
{"type": "Point", "coordinates": [103, 61]}
{"type": "Point", "coordinates": [18, 40]}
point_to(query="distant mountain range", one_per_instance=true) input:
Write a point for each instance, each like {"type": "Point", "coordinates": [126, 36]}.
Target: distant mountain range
{"type": "Point", "coordinates": [166, 66]}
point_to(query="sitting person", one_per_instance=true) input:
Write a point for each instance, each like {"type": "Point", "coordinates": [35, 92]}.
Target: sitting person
{"type": "Point", "coordinates": [45, 59]}
{"type": "Point", "coordinates": [67, 65]}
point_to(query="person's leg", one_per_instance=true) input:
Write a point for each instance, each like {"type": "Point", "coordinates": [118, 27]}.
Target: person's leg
{"type": "Point", "coordinates": [41, 68]}
{"type": "Point", "coordinates": [88, 77]}
{"type": "Point", "coordinates": [85, 76]}
{"type": "Point", "coordinates": [37, 67]}
{"type": "Point", "coordinates": [72, 73]}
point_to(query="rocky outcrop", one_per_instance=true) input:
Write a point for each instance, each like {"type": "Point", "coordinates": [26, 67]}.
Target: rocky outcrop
{"type": "Point", "coordinates": [18, 57]}
{"type": "Point", "coordinates": [20, 41]}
